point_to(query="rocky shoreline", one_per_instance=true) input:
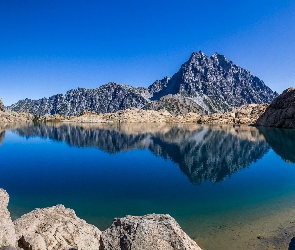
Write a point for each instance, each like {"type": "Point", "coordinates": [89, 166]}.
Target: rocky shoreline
{"type": "Point", "coordinates": [58, 227]}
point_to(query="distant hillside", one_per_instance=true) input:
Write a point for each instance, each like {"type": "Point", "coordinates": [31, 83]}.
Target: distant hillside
{"type": "Point", "coordinates": [203, 84]}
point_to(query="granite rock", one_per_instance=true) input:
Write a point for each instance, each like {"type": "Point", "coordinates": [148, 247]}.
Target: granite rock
{"type": "Point", "coordinates": [56, 227]}
{"type": "Point", "coordinates": [153, 231]}
{"type": "Point", "coordinates": [7, 231]}
{"type": "Point", "coordinates": [281, 112]}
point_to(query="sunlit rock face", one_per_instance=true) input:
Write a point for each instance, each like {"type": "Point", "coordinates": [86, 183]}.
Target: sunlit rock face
{"type": "Point", "coordinates": [7, 231]}
{"type": "Point", "coordinates": [201, 152]}
{"type": "Point", "coordinates": [202, 84]}
{"type": "Point", "coordinates": [281, 112]}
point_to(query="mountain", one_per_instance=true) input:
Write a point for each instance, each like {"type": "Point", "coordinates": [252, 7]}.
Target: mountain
{"type": "Point", "coordinates": [209, 84]}
{"type": "Point", "coordinates": [107, 98]}
{"type": "Point", "coordinates": [214, 83]}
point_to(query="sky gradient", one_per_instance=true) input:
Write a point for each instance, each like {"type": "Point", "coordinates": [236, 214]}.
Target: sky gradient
{"type": "Point", "coordinates": [48, 47]}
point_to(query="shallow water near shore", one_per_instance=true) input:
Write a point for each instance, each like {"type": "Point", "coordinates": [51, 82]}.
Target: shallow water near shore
{"type": "Point", "coordinates": [229, 187]}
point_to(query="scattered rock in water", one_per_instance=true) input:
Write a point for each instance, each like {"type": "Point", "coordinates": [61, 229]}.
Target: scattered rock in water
{"type": "Point", "coordinates": [153, 231]}
{"type": "Point", "coordinates": [56, 227]}
{"type": "Point", "coordinates": [7, 231]}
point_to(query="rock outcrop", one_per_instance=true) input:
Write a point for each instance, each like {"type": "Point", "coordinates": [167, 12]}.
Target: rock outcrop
{"type": "Point", "coordinates": [281, 112]}
{"type": "Point", "coordinates": [2, 107]}
{"type": "Point", "coordinates": [153, 231]}
{"type": "Point", "coordinates": [246, 114]}
{"type": "Point", "coordinates": [14, 117]}
{"type": "Point", "coordinates": [7, 231]}
{"type": "Point", "coordinates": [55, 228]}
{"type": "Point", "coordinates": [211, 84]}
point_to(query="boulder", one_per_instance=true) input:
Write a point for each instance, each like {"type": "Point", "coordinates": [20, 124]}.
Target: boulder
{"type": "Point", "coordinates": [152, 231]}
{"type": "Point", "coordinates": [281, 112]}
{"type": "Point", "coordinates": [7, 231]}
{"type": "Point", "coordinates": [56, 227]}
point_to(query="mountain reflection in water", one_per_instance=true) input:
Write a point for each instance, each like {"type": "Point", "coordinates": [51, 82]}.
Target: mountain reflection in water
{"type": "Point", "coordinates": [201, 152]}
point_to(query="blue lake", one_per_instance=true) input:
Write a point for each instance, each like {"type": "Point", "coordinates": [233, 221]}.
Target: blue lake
{"type": "Point", "coordinates": [223, 184]}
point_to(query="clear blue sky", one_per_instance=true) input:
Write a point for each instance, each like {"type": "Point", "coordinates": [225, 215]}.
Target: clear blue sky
{"type": "Point", "coordinates": [51, 46]}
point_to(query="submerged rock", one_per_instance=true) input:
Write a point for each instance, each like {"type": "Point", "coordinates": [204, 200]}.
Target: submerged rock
{"type": "Point", "coordinates": [153, 231]}
{"type": "Point", "coordinates": [56, 227]}
{"type": "Point", "coordinates": [7, 231]}
{"type": "Point", "coordinates": [281, 112]}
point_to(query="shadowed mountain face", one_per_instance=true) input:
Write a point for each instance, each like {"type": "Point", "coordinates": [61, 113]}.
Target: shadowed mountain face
{"type": "Point", "coordinates": [281, 140]}
{"type": "Point", "coordinates": [201, 152]}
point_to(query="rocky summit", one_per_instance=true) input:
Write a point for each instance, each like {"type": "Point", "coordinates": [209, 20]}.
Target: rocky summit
{"type": "Point", "coordinates": [214, 83]}
{"type": "Point", "coordinates": [281, 112]}
{"type": "Point", "coordinates": [202, 84]}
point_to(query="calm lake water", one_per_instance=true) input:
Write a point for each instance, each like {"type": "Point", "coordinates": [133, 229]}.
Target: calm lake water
{"type": "Point", "coordinates": [224, 185]}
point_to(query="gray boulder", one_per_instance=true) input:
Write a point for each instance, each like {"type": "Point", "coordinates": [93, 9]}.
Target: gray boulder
{"type": "Point", "coordinates": [55, 228]}
{"type": "Point", "coordinates": [152, 231]}
{"type": "Point", "coordinates": [7, 231]}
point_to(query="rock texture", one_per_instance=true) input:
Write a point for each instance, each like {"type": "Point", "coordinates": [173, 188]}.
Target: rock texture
{"type": "Point", "coordinates": [281, 112]}
{"type": "Point", "coordinates": [107, 98]}
{"type": "Point", "coordinates": [175, 105]}
{"type": "Point", "coordinates": [214, 83]}
{"type": "Point", "coordinates": [55, 228]}
{"type": "Point", "coordinates": [2, 107]}
{"type": "Point", "coordinates": [153, 231]}
{"type": "Point", "coordinates": [246, 114]}
{"type": "Point", "coordinates": [7, 231]}
{"type": "Point", "coordinates": [14, 117]}
{"type": "Point", "coordinates": [211, 84]}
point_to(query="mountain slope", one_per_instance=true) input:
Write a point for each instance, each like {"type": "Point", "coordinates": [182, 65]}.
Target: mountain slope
{"type": "Point", "coordinates": [215, 83]}
{"type": "Point", "coordinates": [107, 98]}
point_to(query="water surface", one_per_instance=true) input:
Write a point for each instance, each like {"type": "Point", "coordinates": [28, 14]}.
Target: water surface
{"type": "Point", "coordinates": [225, 185]}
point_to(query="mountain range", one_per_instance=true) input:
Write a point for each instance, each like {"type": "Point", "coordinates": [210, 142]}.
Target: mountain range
{"type": "Point", "coordinates": [203, 84]}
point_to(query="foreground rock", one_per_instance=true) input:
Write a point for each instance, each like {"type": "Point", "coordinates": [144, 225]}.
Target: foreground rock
{"type": "Point", "coordinates": [7, 232]}
{"type": "Point", "coordinates": [153, 231]}
{"type": "Point", "coordinates": [55, 228]}
{"type": "Point", "coordinates": [281, 112]}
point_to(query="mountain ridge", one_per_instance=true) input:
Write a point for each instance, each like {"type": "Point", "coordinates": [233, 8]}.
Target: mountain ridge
{"type": "Point", "coordinates": [213, 83]}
